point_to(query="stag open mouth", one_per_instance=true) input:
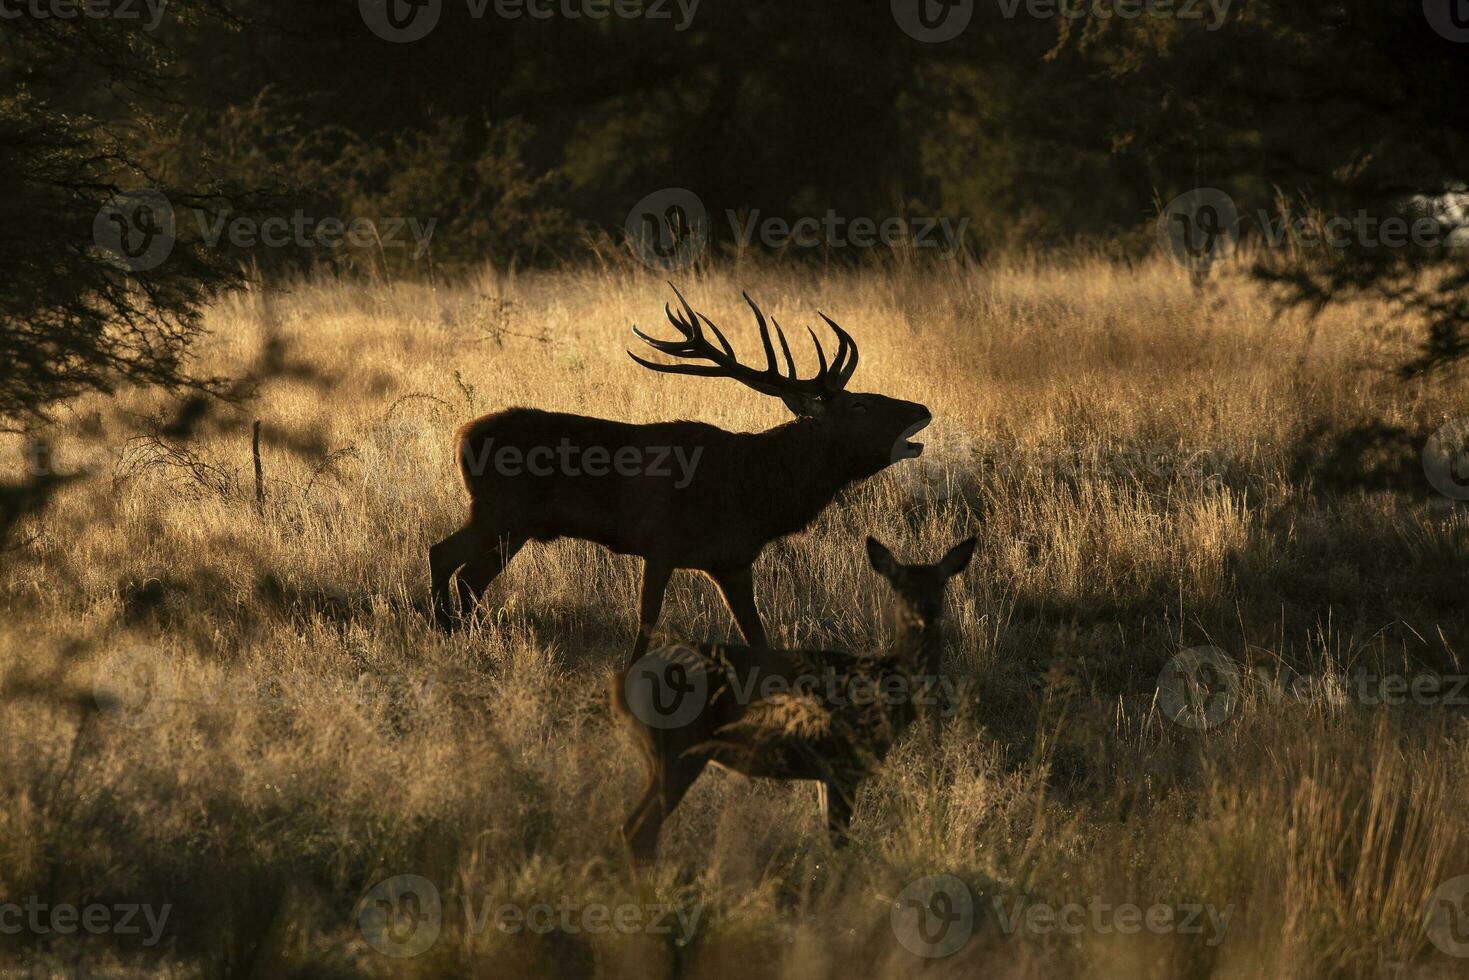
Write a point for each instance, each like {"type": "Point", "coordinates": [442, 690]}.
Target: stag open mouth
{"type": "Point", "coordinates": [907, 448]}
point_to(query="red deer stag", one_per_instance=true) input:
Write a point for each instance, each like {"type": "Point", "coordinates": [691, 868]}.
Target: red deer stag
{"type": "Point", "coordinates": [820, 715]}
{"type": "Point", "coordinates": [730, 495]}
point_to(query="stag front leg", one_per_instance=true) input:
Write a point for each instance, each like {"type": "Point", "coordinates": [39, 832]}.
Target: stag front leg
{"type": "Point", "coordinates": [738, 586]}
{"type": "Point", "coordinates": [444, 559]}
{"type": "Point", "coordinates": [650, 604]}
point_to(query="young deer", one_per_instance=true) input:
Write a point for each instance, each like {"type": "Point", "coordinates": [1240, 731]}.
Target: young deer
{"type": "Point", "coordinates": [823, 715]}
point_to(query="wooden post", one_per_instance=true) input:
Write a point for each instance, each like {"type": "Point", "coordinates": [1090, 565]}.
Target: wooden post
{"type": "Point", "coordinates": [259, 476]}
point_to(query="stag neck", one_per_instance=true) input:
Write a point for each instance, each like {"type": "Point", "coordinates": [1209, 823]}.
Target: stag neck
{"type": "Point", "coordinates": [808, 445]}
{"type": "Point", "coordinates": [801, 472]}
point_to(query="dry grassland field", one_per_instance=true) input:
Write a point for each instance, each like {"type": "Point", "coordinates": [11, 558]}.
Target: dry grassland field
{"type": "Point", "coordinates": [235, 726]}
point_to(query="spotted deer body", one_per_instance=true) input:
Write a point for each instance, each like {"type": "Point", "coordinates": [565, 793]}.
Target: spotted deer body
{"type": "Point", "coordinates": [822, 715]}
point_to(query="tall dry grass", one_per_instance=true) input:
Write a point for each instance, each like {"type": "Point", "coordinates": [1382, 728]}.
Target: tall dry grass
{"type": "Point", "coordinates": [241, 713]}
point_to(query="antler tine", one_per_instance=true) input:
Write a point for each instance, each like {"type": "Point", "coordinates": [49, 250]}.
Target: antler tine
{"type": "Point", "coordinates": [719, 335]}
{"type": "Point", "coordinates": [703, 370]}
{"type": "Point", "coordinates": [694, 344]}
{"type": "Point", "coordinates": [688, 327]}
{"type": "Point", "coordinates": [820, 354]}
{"type": "Point", "coordinates": [785, 349]}
{"type": "Point", "coordinates": [842, 369]}
{"type": "Point", "coordinates": [770, 365]}
{"type": "Point", "coordinates": [663, 346]}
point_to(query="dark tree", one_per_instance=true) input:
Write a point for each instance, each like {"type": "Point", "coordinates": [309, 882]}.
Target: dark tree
{"type": "Point", "coordinates": [99, 287]}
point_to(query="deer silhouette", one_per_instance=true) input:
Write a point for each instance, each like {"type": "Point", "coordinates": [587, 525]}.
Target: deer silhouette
{"type": "Point", "coordinates": [821, 715]}
{"type": "Point", "coordinates": [737, 491]}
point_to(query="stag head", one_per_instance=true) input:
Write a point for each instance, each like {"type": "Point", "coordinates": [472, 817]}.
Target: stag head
{"type": "Point", "coordinates": [872, 430]}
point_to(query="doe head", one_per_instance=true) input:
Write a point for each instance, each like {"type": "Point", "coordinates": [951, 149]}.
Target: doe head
{"type": "Point", "coordinates": [918, 590]}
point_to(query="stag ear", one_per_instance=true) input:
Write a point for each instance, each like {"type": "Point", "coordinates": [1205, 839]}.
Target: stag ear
{"type": "Point", "coordinates": [881, 558]}
{"type": "Point", "coordinates": [807, 406]}
{"type": "Point", "coordinates": [957, 559]}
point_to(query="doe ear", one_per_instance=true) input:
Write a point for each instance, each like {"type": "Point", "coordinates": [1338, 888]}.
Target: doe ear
{"type": "Point", "coordinates": [958, 558]}
{"type": "Point", "coordinates": [810, 406]}
{"type": "Point", "coordinates": [881, 558]}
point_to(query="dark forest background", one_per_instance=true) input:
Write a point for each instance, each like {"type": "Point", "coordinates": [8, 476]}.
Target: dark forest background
{"type": "Point", "coordinates": [528, 140]}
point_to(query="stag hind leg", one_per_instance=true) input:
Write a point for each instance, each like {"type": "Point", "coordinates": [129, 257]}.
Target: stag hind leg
{"type": "Point", "coordinates": [478, 557]}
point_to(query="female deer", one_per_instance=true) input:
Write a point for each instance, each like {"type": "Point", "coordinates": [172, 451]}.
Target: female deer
{"type": "Point", "coordinates": [823, 715]}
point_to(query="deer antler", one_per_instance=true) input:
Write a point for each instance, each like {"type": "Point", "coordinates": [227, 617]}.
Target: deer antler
{"type": "Point", "coordinates": [723, 363]}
